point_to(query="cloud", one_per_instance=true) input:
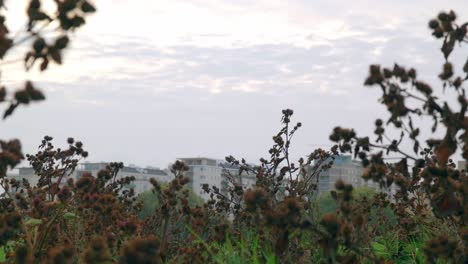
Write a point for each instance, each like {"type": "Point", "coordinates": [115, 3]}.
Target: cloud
{"type": "Point", "coordinates": [147, 81]}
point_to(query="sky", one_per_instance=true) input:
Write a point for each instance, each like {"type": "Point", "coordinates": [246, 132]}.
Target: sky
{"type": "Point", "coordinates": [146, 82]}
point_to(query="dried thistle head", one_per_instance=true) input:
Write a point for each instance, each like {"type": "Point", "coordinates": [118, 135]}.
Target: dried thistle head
{"type": "Point", "coordinates": [141, 250]}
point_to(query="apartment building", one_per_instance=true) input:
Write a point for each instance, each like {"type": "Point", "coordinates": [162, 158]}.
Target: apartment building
{"type": "Point", "coordinates": [214, 173]}
{"type": "Point", "coordinates": [348, 170]}
{"type": "Point", "coordinates": [142, 175]}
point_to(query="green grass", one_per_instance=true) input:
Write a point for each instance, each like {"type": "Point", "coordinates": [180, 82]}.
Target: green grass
{"type": "Point", "coordinates": [2, 255]}
{"type": "Point", "coordinates": [249, 249]}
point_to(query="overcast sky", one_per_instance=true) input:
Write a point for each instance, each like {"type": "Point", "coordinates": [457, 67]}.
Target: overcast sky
{"type": "Point", "coordinates": [145, 82]}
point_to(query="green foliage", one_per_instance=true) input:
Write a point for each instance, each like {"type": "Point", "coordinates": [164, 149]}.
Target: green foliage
{"type": "Point", "coordinates": [150, 201]}
{"type": "Point", "coordinates": [33, 222]}
{"type": "Point", "coordinates": [246, 249]}
{"type": "Point", "coordinates": [391, 248]}
{"type": "Point", "coordinates": [2, 255]}
{"type": "Point", "coordinates": [327, 204]}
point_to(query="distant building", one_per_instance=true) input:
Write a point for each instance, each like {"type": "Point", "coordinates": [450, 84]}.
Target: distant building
{"type": "Point", "coordinates": [28, 174]}
{"type": "Point", "coordinates": [213, 172]}
{"type": "Point", "coordinates": [348, 170]}
{"type": "Point", "coordinates": [244, 179]}
{"type": "Point", "coordinates": [142, 175]}
{"type": "Point", "coordinates": [462, 165]}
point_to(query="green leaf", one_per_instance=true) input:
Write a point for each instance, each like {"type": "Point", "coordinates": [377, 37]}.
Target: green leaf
{"type": "Point", "coordinates": [380, 249]}
{"type": "Point", "coordinates": [69, 215]}
{"type": "Point", "coordinates": [33, 222]}
{"type": "Point", "coordinates": [2, 255]}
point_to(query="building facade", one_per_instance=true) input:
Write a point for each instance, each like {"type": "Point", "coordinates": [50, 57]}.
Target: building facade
{"type": "Point", "coordinates": [142, 175]}
{"type": "Point", "coordinates": [462, 165]}
{"type": "Point", "coordinates": [348, 170]}
{"type": "Point", "coordinates": [214, 173]}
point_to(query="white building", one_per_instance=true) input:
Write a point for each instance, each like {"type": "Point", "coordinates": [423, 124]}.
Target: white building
{"type": "Point", "coordinates": [142, 175]}
{"type": "Point", "coordinates": [28, 174]}
{"type": "Point", "coordinates": [462, 165]}
{"type": "Point", "coordinates": [348, 170]}
{"type": "Point", "coordinates": [213, 172]}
